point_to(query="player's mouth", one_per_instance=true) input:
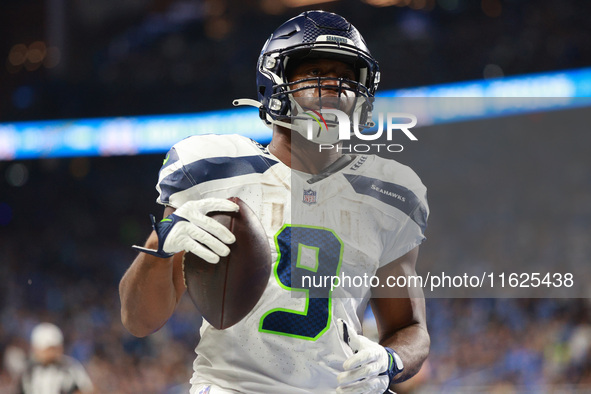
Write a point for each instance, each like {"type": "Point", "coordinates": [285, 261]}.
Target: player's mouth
{"type": "Point", "coordinates": [330, 100]}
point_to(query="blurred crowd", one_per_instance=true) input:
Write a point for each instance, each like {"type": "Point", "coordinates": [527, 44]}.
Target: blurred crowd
{"type": "Point", "coordinates": [515, 345]}
{"type": "Point", "coordinates": [174, 56]}
{"type": "Point", "coordinates": [67, 227]}
{"type": "Point", "coordinates": [65, 244]}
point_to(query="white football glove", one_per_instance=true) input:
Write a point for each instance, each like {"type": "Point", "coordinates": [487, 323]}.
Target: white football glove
{"type": "Point", "coordinates": [189, 229]}
{"type": "Point", "coordinates": [369, 370]}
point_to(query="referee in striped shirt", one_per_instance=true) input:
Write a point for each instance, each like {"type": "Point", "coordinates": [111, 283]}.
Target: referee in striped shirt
{"type": "Point", "coordinates": [50, 371]}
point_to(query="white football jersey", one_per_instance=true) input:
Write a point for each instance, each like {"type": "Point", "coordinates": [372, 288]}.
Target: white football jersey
{"type": "Point", "coordinates": [349, 223]}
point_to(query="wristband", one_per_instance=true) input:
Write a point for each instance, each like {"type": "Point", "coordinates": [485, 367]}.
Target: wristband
{"type": "Point", "coordinates": [162, 229]}
{"type": "Point", "coordinates": [395, 365]}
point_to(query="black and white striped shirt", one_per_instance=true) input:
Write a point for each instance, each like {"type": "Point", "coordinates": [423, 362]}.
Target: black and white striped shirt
{"type": "Point", "coordinates": [63, 377]}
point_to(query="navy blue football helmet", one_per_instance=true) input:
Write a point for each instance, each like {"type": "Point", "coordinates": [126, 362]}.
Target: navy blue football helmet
{"type": "Point", "coordinates": [312, 34]}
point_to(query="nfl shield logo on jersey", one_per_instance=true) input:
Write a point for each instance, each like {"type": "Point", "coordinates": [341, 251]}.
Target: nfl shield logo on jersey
{"type": "Point", "coordinates": [310, 196]}
{"type": "Point", "coordinates": [205, 390]}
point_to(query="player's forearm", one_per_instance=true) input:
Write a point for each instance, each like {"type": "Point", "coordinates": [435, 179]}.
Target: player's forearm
{"type": "Point", "coordinates": [147, 293]}
{"type": "Point", "coordinates": [412, 345]}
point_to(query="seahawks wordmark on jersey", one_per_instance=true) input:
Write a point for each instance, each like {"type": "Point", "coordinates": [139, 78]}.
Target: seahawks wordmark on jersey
{"type": "Point", "coordinates": [351, 222]}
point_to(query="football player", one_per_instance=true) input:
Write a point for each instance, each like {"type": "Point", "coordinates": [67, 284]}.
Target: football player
{"type": "Point", "coordinates": [331, 212]}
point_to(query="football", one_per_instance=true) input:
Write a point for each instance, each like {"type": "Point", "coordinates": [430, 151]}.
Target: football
{"type": "Point", "coordinates": [224, 293]}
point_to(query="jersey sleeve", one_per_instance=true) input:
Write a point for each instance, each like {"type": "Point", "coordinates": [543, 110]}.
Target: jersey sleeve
{"type": "Point", "coordinates": [411, 230]}
{"type": "Point", "coordinates": [174, 180]}
{"type": "Point", "coordinates": [190, 162]}
{"type": "Point", "coordinates": [199, 163]}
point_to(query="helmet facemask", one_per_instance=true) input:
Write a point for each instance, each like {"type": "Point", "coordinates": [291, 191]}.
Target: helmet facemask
{"type": "Point", "coordinates": [322, 35]}
{"type": "Point", "coordinates": [350, 97]}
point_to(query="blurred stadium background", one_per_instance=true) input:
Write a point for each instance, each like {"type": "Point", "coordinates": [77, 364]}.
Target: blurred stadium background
{"type": "Point", "coordinates": [66, 223]}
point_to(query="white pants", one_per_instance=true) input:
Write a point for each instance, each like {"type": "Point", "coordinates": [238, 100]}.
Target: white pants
{"type": "Point", "coordinates": [209, 389]}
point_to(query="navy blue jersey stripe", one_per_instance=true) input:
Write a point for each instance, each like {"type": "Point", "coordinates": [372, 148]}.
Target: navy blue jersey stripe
{"type": "Point", "coordinates": [171, 157]}
{"type": "Point", "coordinates": [210, 169]}
{"type": "Point", "coordinates": [392, 194]}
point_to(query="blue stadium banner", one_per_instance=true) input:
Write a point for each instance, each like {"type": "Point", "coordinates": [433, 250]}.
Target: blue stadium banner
{"type": "Point", "coordinates": [155, 134]}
